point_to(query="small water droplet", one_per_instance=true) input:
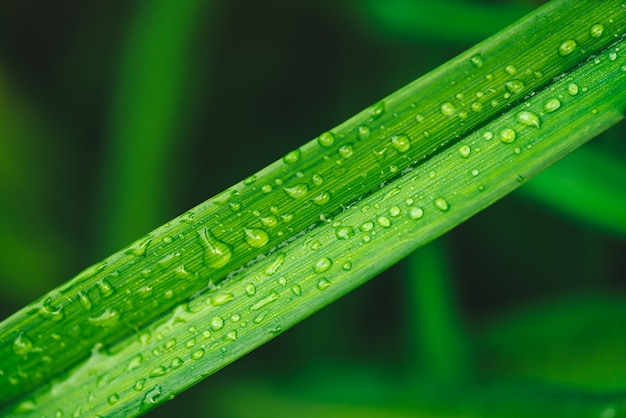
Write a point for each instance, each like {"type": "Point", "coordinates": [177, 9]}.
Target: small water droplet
{"type": "Point", "coordinates": [488, 136]}
{"type": "Point", "coordinates": [346, 151]}
{"type": "Point", "coordinates": [176, 363]}
{"type": "Point", "coordinates": [296, 290]}
{"type": "Point", "coordinates": [192, 341]}
{"type": "Point", "coordinates": [366, 226]}
{"type": "Point", "coordinates": [612, 56]}
{"type": "Point", "coordinates": [266, 188]}
{"type": "Point", "coordinates": [475, 172]}
{"type": "Point", "coordinates": [567, 47]}
{"type": "Point", "coordinates": [22, 345]}
{"type": "Point", "coordinates": [596, 30]}
{"type": "Point", "coordinates": [507, 135]}
{"type": "Point", "coordinates": [476, 106]}
{"type": "Point", "coordinates": [223, 299]}
{"type": "Point", "coordinates": [135, 362]}
{"type": "Point", "coordinates": [377, 110]}
{"type": "Point", "coordinates": [113, 399]}
{"type": "Point", "coordinates": [138, 386]}
{"type": "Point", "coordinates": [510, 69]}
{"type": "Point", "coordinates": [157, 371]}
{"type": "Point", "coordinates": [401, 142]}
{"type": "Point", "coordinates": [296, 191]}
{"type": "Point", "coordinates": [477, 61]}
{"type": "Point", "coordinates": [231, 336]}
{"type": "Point", "coordinates": [323, 283]}
{"type": "Point", "coordinates": [552, 105]}
{"type": "Point", "coordinates": [217, 323]}
{"type": "Point", "coordinates": [250, 289]}
{"type": "Point", "coordinates": [265, 301]}
{"type": "Point", "coordinates": [84, 301]}
{"type": "Point", "coordinates": [529, 119]}
{"type": "Point", "coordinates": [447, 109]}
{"type": "Point", "coordinates": [347, 265]}
{"type": "Point", "coordinates": [248, 181]}
{"type": "Point", "coordinates": [321, 199]}
{"type": "Point", "coordinates": [344, 232]}
{"type": "Point", "coordinates": [255, 237]}
{"type": "Point", "coordinates": [322, 265]}
{"type": "Point", "coordinates": [138, 249]}
{"type": "Point", "coordinates": [108, 318]}
{"type": "Point", "coordinates": [363, 132]}
{"type": "Point", "coordinates": [275, 265]}
{"type": "Point", "coordinates": [383, 221]}
{"type": "Point", "coordinates": [198, 354]}
{"type": "Point", "coordinates": [260, 317]}
{"type": "Point", "coordinates": [416, 213]}
{"type": "Point", "coordinates": [317, 179]}
{"type": "Point", "coordinates": [409, 201]}
{"type": "Point", "coordinates": [514, 86]}
{"type": "Point", "coordinates": [464, 151]}
{"type": "Point", "coordinates": [105, 287]}
{"type": "Point", "coordinates": [326, 139]}
{"type": "Point", "coordinates": [572, 89]}
{"type": "Point", "coordinates": [442, 204]}
{"type": "Point", "coordinates": [394, 211]}
{"type": "Point", "coordinates": [292, 157]}
{"type": "Point", "coordinates": [419, 118]}
{"type": "Point", "coordinates": [216, 253]}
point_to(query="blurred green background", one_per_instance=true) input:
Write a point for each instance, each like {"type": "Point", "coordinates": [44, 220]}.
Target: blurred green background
{"type": "Point", "coordinates": [116, 116]}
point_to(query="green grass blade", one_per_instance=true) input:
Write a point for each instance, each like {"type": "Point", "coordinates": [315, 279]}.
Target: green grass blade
{"type": "Point", "coordinates": [232, 273]}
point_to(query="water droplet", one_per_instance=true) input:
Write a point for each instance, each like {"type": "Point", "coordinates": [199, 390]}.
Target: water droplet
{"type": "Point", "coordinates": [326, 139]}
{"type": "Point", "coordinates": [507, 136]}
{"type": "Point", "coordinates": [552, 105]}
{"type": "Point", "coordinates": [192, 342]}
{"type": "Point", "coordinates": [105, 288]}
{"type": "Point", "coordinates": [572, 89]}
{"type": "Point", "coordinates": [217, 323]}
{"type": "Point", "coordinates": [514, 86]}
{"type": "Point", "coordinates": [409, 201]}
{"type": "Point", "coordinates": [377, 110]}
{"type": "Point", "coordinates": [168, 260]}
{"type": "Point", "coordinates": [475, 172]}
{"type": "Point", "coordinates": [323, 283]}
{"type": "Point", "coordinates": [442, 204]}
{"type": "Point", "coordinates": [296, 290]}
{"type": "Point", "coordinates": [296, 191]}
{"type": "Point", "coordinates": [255, 237]}
{"type": "Point", "coordinates": [269, 221]}
{"type": "Point", "coordinates": [265, 301]}
{"type": "Point", "coordinates": [113, 399]}
{"type": "Point", "coordinates": [464, 151]}
{"type": "Point", "coordinates": [321, 199]}
{"type": "Point", "coordinates": [383, 221]}
{"type": "Point", "coordinates": [596, 30]}
{"type": "Point", "coordinates": [344, 232]}
{"type": "Point", "coordinates": [477, 61]}
{"type": "Point", "coordinates": [292, 157]}
{"type": "Point", "coordinates": [510, 69]}
{"type": "Point", "coordinates": [529, 119]}
{"type": "Point", "coordinates": [346, 151]}
{"type": "Point", "coordinates": [347, 265]}
{"type": "Point", "coordinates": [138, 249]}
{"type": "Point", "coordinates": [108, 318]}
{"type": "Point", "coordinates": [322, 265]}
{"type": "Point", "coordinates": [567, 47]}
{"type": "Point", "coordinates": [419, 118]}
{"type": "Point", "coordinates": [198, 354]}
{"type": "Point", "coordinates": [22, 345]}
{"type": "Point", "coordinates": [84, 301]}
{"type": "Point", "coordinates": [176, 363]}
{"type": "Point", "coordinates": [488, 136]}
{"type": "Point", "coordinates": [231, 336]}
{"type": "Point", "coordinates": [286, 217]}
{"type": "Point", "coordinates": [476, 106]}
{"type": "Point", "coordinates": [216, 253]}
{"type": "Point", "coordinates": [276, 264]}
{"type": "Point", "coordinates": [363, 132]}
{"type": "Point", "coordinates": [260, 317]}
{"type": "Point", "coordinates": [235, 317]}
{"type": "Point", "coordinates": [447, 109]}
{"type": "Point", "coordinates": [135, 362]}
{"type": "Point", "coordinates": [612, 56]}
{"type": "Point", "coordinates": [250, 289]}
{"type": "Point", "coordinates": [416, 213]}
{"type": "Point", "coordinates": [394, 211]}
{"type": "Point", "coordinates": [401, 142]}
{"type": "Point", "coordinates": [234, 206]}
{"type": "Point", "coordinates": [223, 299]}
{"type": "Point", "coordinates": [248, 181]}
{"type": "Point", "coordinates": [157, 371]}
{"type": "Point", "coordinates": [366, 226]}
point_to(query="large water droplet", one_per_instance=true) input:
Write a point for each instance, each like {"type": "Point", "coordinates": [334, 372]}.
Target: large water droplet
{"type": "Point", "coordinates": [507, 135]}
{"type": "Point", "coordinates": [255, 237]}
{"type": "Point", "coordinates": [292, 157]}
{"type": "Point", "coordinates": [323, 283]}
{"type": "Point", "coordinates": [326, 139]}
{"type": "Point", "coordinates": [477, 61]}
{"type": "Point", "coordinates": [198, 354]}
{"type": "Point", "coordinates": [269, 221]}
{"type": "Point", "coordinates": [296, 290]}
{"type": "Point", "coordinates": [158, 371]}
{"type": "Point", "coordinates": [265, 301]}
{"type": "Point", "coordinates": [447, 109]}
{"type": "Point", "coordinates": [416, 212]}
{"type": "Point", "coordinates": [230, 336]}
{"type": "Point", "coordinates": [442, 204]}
{"type": "Point", "coordinates": [552, 105]}
{"type": "Point", "coordinates": [344, 232]}
{"type": "Point", "coordinates": [216, 253]}
{"type": "Point", "coordinates": [321, 199]}
{"type": "Point", "coordinates": [276, 264]}
{"type": "Point", "coordinates": [366, 226]}
{"type": "Point", "coordinates": [572, 89]}
{"type": "Point", "coordinates": [464, 151]}
{"type": "Point", "coordinates": [22, 345]}
{"type": "Point", "coordinates": [401, 142]}
{"type": "Point", "coordinates": [138, 249]}
{"type": "Point", "coordinates": [223, 299]}
{"type": "Point", "coordinates": [296, 191]}
{"type": "Point", "coordinates": [217, 323]}
{"type": "Point", "coordinates": [383, 221]}
{"type": "Point", "coordinates": [322, 265]}
{"type": "Point", "coordinates": [250, 289]}
{"type": "Point", "coordinates": [152, 394]}
{"type": "Point", "coordinates": [135, 362]}
{"type": "Point", "coordinates": [514, 86]}
{"type": "Point", "coordinates": [84, 301]}
{"type": "Point", "coordinates": [363, 132]}
{"type": "Point", "coordinates": [105, 287]}
{"type": "Point", "coordinates": [529, 119]}
{"type": "Point", "coordinates": [567, 47]}
{"type": "Point", "coordinates": [108, 318]}
{"type": "Point", "coordinates": [377, 110]}
{"type": "Point", "coordinates": [113, 399]}
{"type": "Point", "coordinates": [346, 151]}
{"type": "Point", "coordinates": [596, 30]}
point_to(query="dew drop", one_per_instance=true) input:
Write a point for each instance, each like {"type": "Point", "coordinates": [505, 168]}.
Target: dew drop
{"type": "Point", "coordinates": [234, 206]}
{"type": "Point", "coordinates": [250, 289]}
{"type": "Point", "coordinates": [269, 221]}
{"type": "Point", "coordinates": [158, 371]}
{"type": "Point", "coordinates": [296, 191]}
{"type": "Point", "coordinates": [113, 399]}
{"type": "Point", "coordinates": [198, 354]}
{"type": "Point", "coordinates": [135, 362]}
{"type": "Point", "coordinates": [347, 266]}
{"type": "Point", "coordinates": [322, 265]}
{"type": "Point", "coordinates": [447, 109]}
{"type": "Point", "coordinates": [476, 106]}
{"type": "Point", "coordinates": [323, 284]}
{"type": "Point", "coordinates": [292, 157]}
{"type": "Point", "coordinates": [176, 362]}
{"type": "Point", "coordinates": [507, 136]}
{"type": "Point", "coordinates": [248, 181]}
{"type": "Point", "coordinates": [363, 132]}
{"type": "Point", "coordinates": [514, 86]}
{"type": "Point", "coordinates": [105, 288]}
{"type": "Point", "coordinates": [265, 301]}
{"type": "Point", "coordinates": [510, 69]}
{"type": "Point", "coordinates": [223, 299]}
{"type": "Point", "coordinates": [488, 136]}
{"type": "Point", "coordinates": [416, 212]}
{"type": "Point", "coordinates": [231, 336]}
{"type": "Point", "coordinates": [394, 211]}
{"type": "Point", "coordinates": [22, 345]}
{"type": "Point", "coordinates": [552, 105]}
{"type": "Point", "coordinates": [275, 265]}
{"type": "Point", "coordinates": [596, 30]}
{"type": "Point", "coordinates": [567, 47]}
{"type": "Point", "coordinates": [344, 232]}
{"type": "Point", "coordinates": [138, 249]}
{"type": "Point", "coordinates": [84, 301]}
{"type": "Point", "coordinates": [296, 290]}
{"type": "Point", "coordinates": [321, 199]}
{"type": "Point", "coordinates": [464, 151]}
{"type": "Point", "coordinates": [442, 204]}
{"type": "Point", "coordinates": [367, 226]}
{"type": "Point", "coordinates": [326, 139]}
{"type": "Point", "coordinates": [475, 172]}
{"type": "Point", "coordinates": [419, 118]}
{"type": "Point", "coordinates": [401, 142]}
{"type": "Point", "coordinates": [138, 386]}
{"type": "Point", "coordinates": [216, 253]}
{"type": "Point", "coordinates": [612, 56]}
{"type": "Point", "coordinates": [377, 110]}
{"type": "Point", "coordinates": [346, 151]}
{"type": "Point", "coordinates": [383, 221]}
{"type": "Point", "coordinates": [529, 119]}
{"type": "Point", "coordinates": [477, 61]}
{"type": "Point", "coordinates": [217, 323]}
{"type": "Point", "coordinates": [255, 237]}
{"type": "Point", "coordinates": [108, 318]}
{"type": "Point", "coordinates": [572, 89]}
{"type": "Point", "coordinates": [192, 342]}
{"type": "Point", "coordinates": [317, 179]}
